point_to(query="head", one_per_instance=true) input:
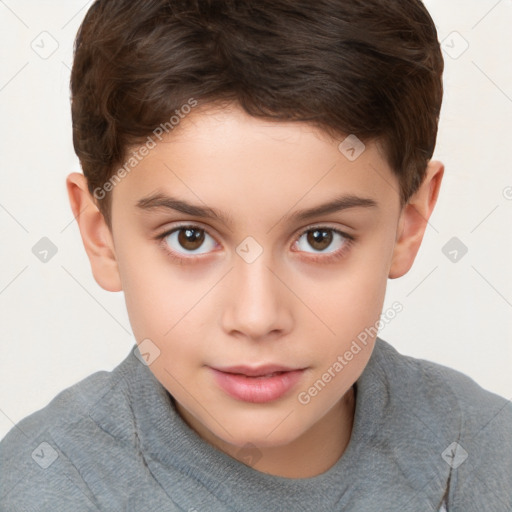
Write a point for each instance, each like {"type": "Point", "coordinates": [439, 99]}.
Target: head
{"type": "Point", "coordinates": [210, 133]}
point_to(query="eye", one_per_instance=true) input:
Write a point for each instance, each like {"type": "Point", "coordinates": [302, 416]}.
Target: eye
{"type": "Point", "coordinates": [189, 240]}
{"type": "Point", "coordinates": [321, 238]}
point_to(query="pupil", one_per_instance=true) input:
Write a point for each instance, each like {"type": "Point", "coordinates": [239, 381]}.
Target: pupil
{"type": "Point", "coordinates": [320, 239]}
{"type": "Point", "coordinates": [190, 239]}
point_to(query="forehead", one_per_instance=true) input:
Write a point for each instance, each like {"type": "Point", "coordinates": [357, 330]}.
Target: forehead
{"type": "Point", "coordinates": [232, 161]}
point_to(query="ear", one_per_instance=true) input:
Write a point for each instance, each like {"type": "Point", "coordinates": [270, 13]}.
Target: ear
{"type": "Point", "coordinates": [96, 235]}
{"type": "Point", "coordinates": [413, 220]}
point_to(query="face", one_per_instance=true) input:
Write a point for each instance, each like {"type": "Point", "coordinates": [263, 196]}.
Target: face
{"type": "Point", "coordinates": [251, 288]}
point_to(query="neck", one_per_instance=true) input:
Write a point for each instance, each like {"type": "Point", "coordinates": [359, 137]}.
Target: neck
{"type": "Point", "coordinates": [318, 449]}
{"type": "Point", "coordinates": [311, 454]}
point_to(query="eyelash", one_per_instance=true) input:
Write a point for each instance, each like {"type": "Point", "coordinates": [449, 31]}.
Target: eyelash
{"type": "Point", "coordinates": [330, 257]}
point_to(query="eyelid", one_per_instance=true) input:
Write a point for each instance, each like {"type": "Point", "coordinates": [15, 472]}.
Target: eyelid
{"type": "Point", "coordinates": [325, 225]}
{"type": "Point", "coordinates": [180, 257]}
{"type": "Point", "coordinates": [323, 256]}
{"type": "Point", "coordinates": [185, 224]}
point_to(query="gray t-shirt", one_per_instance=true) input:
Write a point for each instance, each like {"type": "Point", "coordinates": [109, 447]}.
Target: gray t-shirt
{"type": "Point", "coordinates": [423, 435]}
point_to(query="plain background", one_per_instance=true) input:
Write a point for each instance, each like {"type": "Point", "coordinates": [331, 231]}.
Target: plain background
{"type": "Point", "coordinates": [58, 325]}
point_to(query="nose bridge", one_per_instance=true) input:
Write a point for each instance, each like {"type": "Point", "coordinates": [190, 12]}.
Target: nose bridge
{"type": "Point", "coordinates": [256, 305]}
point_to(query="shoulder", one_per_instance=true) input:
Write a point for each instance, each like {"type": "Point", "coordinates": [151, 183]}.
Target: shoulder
{"type": "Point", "coordinates": [37, 453]}
{"type": "Point", "coordinates": [474, 425]}
{"type": "Point", "coordinates": [439, 387]}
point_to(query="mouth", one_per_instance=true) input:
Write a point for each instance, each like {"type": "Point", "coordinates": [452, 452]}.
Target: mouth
{"type": "Point", "coordinates": [259, 384]}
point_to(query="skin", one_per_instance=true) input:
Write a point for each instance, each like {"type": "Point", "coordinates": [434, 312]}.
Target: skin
{"type": "Point", "coordinates": [295, 305]}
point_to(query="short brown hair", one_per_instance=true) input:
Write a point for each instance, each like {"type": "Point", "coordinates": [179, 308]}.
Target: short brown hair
{"type": "Point", "coordinates": [372, 68]}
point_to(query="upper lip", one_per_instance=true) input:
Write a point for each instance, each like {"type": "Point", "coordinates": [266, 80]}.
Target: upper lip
{"type": "Point", "coordinates": [256, 371]}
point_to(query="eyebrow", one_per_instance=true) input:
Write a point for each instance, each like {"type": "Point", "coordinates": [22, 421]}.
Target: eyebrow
{"type": "Point", "coordinates": [165, 202]}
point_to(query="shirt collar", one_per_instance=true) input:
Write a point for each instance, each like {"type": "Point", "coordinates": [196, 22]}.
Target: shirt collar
{"type": "Point", "coordinates": [394, 451]}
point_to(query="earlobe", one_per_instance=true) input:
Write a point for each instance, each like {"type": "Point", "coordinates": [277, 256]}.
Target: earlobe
{"type": "Point", "coordinates": [414, 219]}
{"type": "Point", "coordinates": [95, 233]}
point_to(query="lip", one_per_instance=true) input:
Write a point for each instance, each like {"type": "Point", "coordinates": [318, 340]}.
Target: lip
{"type": "Point", "coordinates": [255, 371]}
{"type": "Point", "coordinates": [257, 384]}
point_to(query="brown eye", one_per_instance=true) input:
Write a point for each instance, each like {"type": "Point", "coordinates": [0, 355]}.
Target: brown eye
{"type": "Point", "coordinates": [319, 239]}
{"type": "Point", "coordinates": [191, 238]}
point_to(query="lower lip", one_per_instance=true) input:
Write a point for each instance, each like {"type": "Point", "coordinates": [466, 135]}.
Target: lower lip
{"type": "Point", "coordinates": [257, 389]}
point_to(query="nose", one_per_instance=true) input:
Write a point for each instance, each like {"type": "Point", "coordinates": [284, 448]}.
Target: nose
{"type": "Point", "coordinates": [257, 305]}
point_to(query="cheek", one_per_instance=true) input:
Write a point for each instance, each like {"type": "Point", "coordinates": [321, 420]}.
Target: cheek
{"type": "Point", "coordinates": [155, 292]}
{"type": "Point", "coordinates": [159, 305]}
{"type": "Point", "coordinates": [169, 308]}
{"type": "Point", "coordinates": [352, 298]}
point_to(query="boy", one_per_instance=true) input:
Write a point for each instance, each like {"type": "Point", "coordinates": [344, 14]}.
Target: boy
{"type": "Point", "coordinates": [254, 172]}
